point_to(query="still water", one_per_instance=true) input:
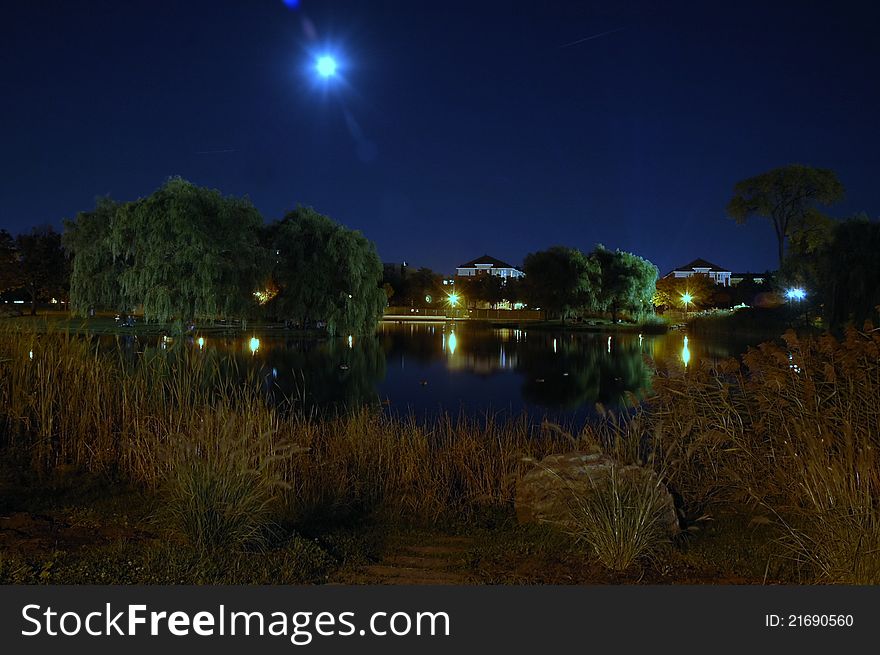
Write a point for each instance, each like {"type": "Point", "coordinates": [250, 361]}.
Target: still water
{"type": "Point", "coordinates": [424, 368]}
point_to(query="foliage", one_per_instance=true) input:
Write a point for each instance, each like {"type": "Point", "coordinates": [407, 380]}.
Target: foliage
{"type": "Point", "coordinates": [94, 277]}
{"type": "Point", "coordinates": [10, 273]}
{"type": "Point", "coordinates": [326, 272]}
{"type": "Point", "coordinates": [847, 277]}
{"type": "Point", "coordinates": [216, 495]}
{"type": "Point", "coordinates": [627, 282]}
{"type": "Point", "coordinates": [787, 196]}
{"type": "Point", "coordinates": [183, 252]}
{"type": "Point", "coordinates": [486, 288]}
{"type": "Point", "coordinates": [623, 520]}
{"type": "Point", "coordinates": [43, 266]}
{"type": "Point", "coordinates": [560, 280]}
{"type": "Point", "coordinates": [793, 428]}
{"type": "Point", "coordinates": [193, 253]}
{"type": "Point", "coordinates": [669, 291]}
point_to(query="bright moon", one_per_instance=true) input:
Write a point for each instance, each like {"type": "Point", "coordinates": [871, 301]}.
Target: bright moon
{"type": "Point", "coordinates": [326, 66]}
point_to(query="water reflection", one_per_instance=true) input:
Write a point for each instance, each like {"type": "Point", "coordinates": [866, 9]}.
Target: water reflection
{"type": "Point", "coordinates": [426, 367]}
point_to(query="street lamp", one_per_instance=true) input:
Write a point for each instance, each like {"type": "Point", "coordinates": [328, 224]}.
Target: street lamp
{"type": "Point", "coordinates": [686, 298]}
{"type": "Point", "coordinates": [795, 293]}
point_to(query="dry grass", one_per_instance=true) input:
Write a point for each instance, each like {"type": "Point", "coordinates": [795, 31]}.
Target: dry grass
{"type": "Point", "coordinates": [795, 431]}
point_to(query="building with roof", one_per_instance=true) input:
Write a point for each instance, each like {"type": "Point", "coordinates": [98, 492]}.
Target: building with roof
{"type": "Point", "coordinates": [716, 273]}
{"type": "Point", "coordinates": [487, 265]}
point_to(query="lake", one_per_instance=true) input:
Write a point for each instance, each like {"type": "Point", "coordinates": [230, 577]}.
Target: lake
{"type": "Point", "coordinates": [425, 368]}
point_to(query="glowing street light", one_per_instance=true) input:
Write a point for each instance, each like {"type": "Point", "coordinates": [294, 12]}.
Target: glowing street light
{"type": "Point", "coordinates": [687, 299]}
{"type": "Point", "coordinates": [795, 293]}
{"type": "Point", "coordinates": [453, 299]}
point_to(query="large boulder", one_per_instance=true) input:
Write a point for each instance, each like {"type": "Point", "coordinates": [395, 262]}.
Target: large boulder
{"type": "Point", "coordinates": [549, 491]}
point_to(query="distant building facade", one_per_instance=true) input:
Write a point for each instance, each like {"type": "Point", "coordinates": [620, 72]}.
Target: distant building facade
{"type": "Point", "coordinates": [487, 265]}
{"type": "Point", "coordinates": [717, 274]}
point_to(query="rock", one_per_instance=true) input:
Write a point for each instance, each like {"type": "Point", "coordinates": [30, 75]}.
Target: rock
{"type": "Point", "coordinates": [548, 492]}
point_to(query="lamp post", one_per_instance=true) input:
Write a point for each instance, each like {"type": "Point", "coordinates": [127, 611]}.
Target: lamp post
{"type": "Point", "coordinates": [453, 299]}
{"type": "Point", "coordinates": [795, 295]}
{"type": "Point", "coordinates": [686, 298]}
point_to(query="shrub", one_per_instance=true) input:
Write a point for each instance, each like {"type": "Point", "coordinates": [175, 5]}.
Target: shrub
{"type": "Point", "coordinates": [625, 519]}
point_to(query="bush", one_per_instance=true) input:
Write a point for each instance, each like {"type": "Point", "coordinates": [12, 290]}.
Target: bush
{"type": "Point", "coordinates": [625, 519]}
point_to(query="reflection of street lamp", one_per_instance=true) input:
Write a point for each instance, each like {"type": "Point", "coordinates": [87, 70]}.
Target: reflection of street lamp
{"type": "Point", "coordinates": [254, 345]}
{"type": "Point", "coordinates": [685, 352]}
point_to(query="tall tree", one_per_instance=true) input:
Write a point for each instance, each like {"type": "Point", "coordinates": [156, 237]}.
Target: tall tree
{"type": "Point", "coordinates": [43, 265]}
{"type": "Point", "coordinates": [326, 272]}
{"type": "Point", "coordinates": [787, 196]}
{"type": "Point", "coordinates": [189, 253]}
{"type": "Point", "coordinates": [560, 280]}
{"type": "Point", "coordinates": [627, 281]}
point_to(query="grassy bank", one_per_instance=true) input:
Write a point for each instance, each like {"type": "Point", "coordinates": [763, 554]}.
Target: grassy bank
{"type": "Point", "coordinates": [164, 470]}
{"type": "Point", "coordinates": [751, 323]}
{"type": "Point", "coordinates": [655, 326]}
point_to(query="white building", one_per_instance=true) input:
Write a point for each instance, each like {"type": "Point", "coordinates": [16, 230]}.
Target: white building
{"type": "Point", "coordinates": [488, 265]}
{"type": "Point", "coordinates": [701, 267]}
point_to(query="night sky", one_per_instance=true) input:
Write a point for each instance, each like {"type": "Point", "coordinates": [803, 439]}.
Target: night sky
{"type": "Point", "coordinates": [455, 128]}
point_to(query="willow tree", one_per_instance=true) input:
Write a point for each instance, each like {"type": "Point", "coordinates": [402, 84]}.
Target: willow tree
{"type": "Point", "coordinates": [627, 281]}
{"type": "Point", "coordinates": [561, 280]}
{"type": "Point", "coordinates": [325, 272]}
{"type": "Point", "coordinates": [183, 252]}
{"type": "Point", "coordinates": [94, 277]}
{"type": "Point", "coordinates": [787, 196]}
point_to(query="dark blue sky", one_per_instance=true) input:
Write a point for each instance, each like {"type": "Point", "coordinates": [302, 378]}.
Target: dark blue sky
{"type": "Point", "coordinates": [460, 128]}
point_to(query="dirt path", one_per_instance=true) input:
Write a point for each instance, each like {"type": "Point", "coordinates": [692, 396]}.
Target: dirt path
{"type": "Point", "coordinates": [440, 561]}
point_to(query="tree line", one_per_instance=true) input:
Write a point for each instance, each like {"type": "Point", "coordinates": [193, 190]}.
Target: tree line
{"type": "Point", "coordinates": [187, 253]}
{"type": "Point", "coordinates": [563, 282]}
{"type": "Point", "coordinates": [34, 263]}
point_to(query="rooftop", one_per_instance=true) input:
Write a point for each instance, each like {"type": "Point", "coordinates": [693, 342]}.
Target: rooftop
{"type": "Point", "coordinates": [701, 263]}
{"type": "Point", "coordinates": [486, 260]}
